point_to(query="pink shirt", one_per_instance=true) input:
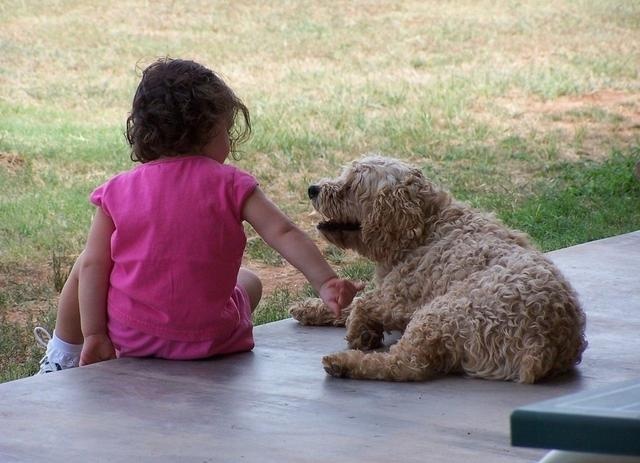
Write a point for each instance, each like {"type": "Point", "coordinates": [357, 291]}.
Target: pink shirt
{"type": "Point", "coordinates": [177, 246]}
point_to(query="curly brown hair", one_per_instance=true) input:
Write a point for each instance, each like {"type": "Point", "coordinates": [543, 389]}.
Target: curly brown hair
{"type": "Point", "coordinates": [178, 107]}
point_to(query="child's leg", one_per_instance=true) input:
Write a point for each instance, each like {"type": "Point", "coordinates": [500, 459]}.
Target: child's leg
{"type": "Point", "coordinates": [250, 282]}
{"type": "Point", "coordinates": [63, 349]}
{"type": "Point", "coordinates": [68, 317]}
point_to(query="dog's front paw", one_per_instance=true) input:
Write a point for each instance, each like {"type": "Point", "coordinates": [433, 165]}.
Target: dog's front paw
{"type": "Point", "coordinates": [299, 312]}
{"type": "Point", "coordinates": [336, 365]}
{"type": "Point", "coordinates": [364, 340]}
{"type": "Point", "coordinates": [311, 312]}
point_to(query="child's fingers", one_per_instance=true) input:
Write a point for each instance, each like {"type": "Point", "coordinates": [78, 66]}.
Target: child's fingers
{"type": "Point", "coordinates": [343, 300]}
{"type": "Point", "coordinates": [335, 308]}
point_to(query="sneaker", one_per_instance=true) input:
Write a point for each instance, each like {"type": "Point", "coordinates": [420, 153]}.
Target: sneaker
{"type": "Point", "coordinates": [47, 363]}
{"type": "Point", "coordinates": [47, 366]}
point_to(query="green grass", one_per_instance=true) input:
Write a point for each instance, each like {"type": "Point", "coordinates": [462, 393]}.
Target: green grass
{"type": "Point", "coordinates": [258, 250]}
{"type": "Point", "coordinates": [528, 108]}
{"type": "Point", "coordinates": [18, 360]}
{"type": "Point", "coordinates": [274, 306]}
{"type": "Point", "coordinates": [583, 202]}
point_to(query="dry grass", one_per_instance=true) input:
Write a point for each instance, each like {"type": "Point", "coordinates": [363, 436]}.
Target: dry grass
{"type": "Point", "coordinates": [318, 67]}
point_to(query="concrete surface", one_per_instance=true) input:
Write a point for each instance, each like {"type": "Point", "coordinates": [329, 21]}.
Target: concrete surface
{"type": "Point", "coordinates": [276, 404]}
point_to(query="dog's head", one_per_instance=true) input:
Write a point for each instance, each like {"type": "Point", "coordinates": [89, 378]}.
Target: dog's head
{"type": "Point", "coordinates": [378, 206]}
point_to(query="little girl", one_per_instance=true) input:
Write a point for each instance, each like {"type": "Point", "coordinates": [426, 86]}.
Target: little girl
{"type": "Point", "coordinates": [160, 275]}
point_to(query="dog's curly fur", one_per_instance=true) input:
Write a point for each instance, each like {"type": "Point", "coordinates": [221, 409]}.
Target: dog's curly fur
{"type": "Point", "coordinates": [469, 294]}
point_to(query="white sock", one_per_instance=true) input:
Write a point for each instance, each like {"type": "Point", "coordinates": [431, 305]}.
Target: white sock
{"type": "Point", "coordinates": [60, 351]}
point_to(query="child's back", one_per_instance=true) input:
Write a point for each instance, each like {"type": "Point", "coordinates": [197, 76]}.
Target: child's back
{"type": "Point", "coordinates": [177, 246]}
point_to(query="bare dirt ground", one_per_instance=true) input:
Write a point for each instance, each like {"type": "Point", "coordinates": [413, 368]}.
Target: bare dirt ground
{"type": "Point", "coordinates": [33, 282]}
{"type": "Point", "coordinates": [278, 277]}
{"type": "Point", "coordinates": [11, 162]}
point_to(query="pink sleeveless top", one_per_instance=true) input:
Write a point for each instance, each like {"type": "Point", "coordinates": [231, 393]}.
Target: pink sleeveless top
{"type": "Point", "coordinates": [177, 247]}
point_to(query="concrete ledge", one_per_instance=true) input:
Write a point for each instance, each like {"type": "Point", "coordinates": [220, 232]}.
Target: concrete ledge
{"type": "Point", "coordinates": [277, 404]}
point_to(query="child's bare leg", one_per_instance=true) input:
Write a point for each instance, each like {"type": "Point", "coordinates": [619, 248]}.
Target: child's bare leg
{"type": "Point", "coordinates": [64, 347]}
{"type": "Point", "coordinates": [68, 317]}
{"type": "Point", "coordinates": [250, 282]}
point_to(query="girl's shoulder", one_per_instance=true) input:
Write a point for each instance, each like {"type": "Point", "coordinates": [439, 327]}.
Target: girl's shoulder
{"type": "Point", "coordinates": [195, 166]}
{"type": "Point", "coordinates": [115, 178]}
{"type": "Point", "coordinates": [228, 171]}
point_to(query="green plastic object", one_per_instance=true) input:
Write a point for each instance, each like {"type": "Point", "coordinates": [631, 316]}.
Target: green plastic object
{"type": "Point", "coordinates": [604, 420]}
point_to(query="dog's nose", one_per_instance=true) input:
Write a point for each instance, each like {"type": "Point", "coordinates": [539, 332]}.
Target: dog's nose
{"type": "Point", "coordinates": [314, 190]}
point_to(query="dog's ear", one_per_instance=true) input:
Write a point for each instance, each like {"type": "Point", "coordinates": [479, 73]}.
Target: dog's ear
{"type": "Point", "coordinates": [395, 222]}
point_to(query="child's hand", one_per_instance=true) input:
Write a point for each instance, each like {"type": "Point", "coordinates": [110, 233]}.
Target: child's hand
{"type": "Point", "coordinates": [96, 348]}
{"type": "Point", "coordinates": [337, 293]}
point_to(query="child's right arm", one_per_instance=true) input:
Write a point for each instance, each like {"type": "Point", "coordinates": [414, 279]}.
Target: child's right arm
{"type": "Point", "coordinates": [279, 232]}
{"type": "Point", "coordinates": [95, 268]}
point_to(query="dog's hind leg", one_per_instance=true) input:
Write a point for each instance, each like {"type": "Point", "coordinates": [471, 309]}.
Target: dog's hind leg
{"type": "Point", "coordinates": [313, 312]}
{"type": "Point", "coordinates": [386, 366]}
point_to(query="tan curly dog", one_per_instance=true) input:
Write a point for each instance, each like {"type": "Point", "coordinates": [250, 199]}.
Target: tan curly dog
{"type": "Point", "coordinates": [468, 294]}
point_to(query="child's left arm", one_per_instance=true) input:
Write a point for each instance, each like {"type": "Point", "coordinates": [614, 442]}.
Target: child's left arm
{"type": "Point", "coordinates": [298, 249]}
{"type": "Point", "coordinates": [94, 274]}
